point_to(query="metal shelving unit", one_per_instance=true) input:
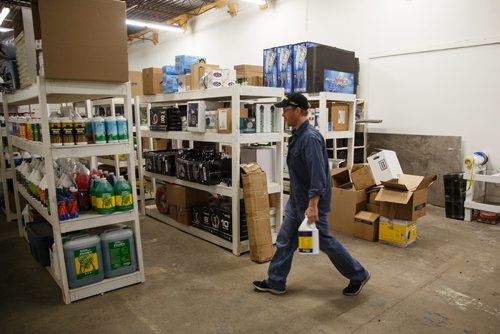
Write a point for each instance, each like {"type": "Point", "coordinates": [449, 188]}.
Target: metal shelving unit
{"type": "Point", "coordinates": [235, 95]}
{"type": "Point", "coordinates": [52, 91]}
{"type": "Point", "coordinates": [474, 201]}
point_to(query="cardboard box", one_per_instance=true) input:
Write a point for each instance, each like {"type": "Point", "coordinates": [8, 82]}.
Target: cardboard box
{"type": "Point", "coordinates": [346, 202]}
{"type": "Point", "coordinates": [339, 116]}
{"type": "Point", "coordinates": [184, 82]}
{"type": "Point", "coordinates": [385, 166]}
{"type": "Point", "coordinates": [197, 72]}
{"type": "Point", "coordinates": [366, 225]}
{"type": "Point", "coordinates": [375, 208]}
{"type": "Point", "coordinates": [224, 124]}
{"type": "Point", "coordinates": [88, 49]}
{"type": "Point", "coordinates": [170, 83]}
{"type": "Point", "coordinates": [151, 80]}
{"type": "Point", "coordinates": [183, 63]}
{"type": "Point", "coordinates": [181, 199]}
{"type": "Point", "coordinates": [196, 111]}
{"type": "Point", "coordinates": [285, 67]}
{"type": "Point", "coordinates": [372, 194]}
{"type": "Point", "coordinates": [405, 198]}
{"type": "Point", "coordinates": [264, 156]}
{"type": "Point", "coordinates": [158, 144]}
{"type": "Point", "coordinates": [265, 115]}
{"type": "Point", "coordinates": [362, 177]}
{"type": "Point", "coordinates": [247, 71]}
{"type": "Point", "coordinates": [396, 232]}
{"type": "Point", "coordinates": [270, 68]}
{"type": "Point", "coordinates": [300, 66]}
{"type": "Point", "coordinates": [135, 78]}
{"type": "Point", "coordinates": [257, 212]}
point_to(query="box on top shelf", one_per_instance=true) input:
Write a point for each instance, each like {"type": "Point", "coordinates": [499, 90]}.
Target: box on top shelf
{"type": "Point", "coordinates": [270, 67]}
{"type": "Point", "coordinates": [285, 67]}
{"type": "Point", "coordinates": [168, 69]}
{"type": "Point", "coordinates": [300, 66]}
{"type": "Point", "coordinates": [183, 63]}
{"type": "Point", "coordinates": [384, 165]}
{"type": "Point", "coordinates": [169, 83]}
{"type": "Point", "coordinates": [151, 80]}
{"type": "Point", "coordinates": [321, 58]}
{"type": "Point", "coordinates": [135, 78]}
{"type": "Point", "coordinates": [405, 198]}
{"type": "Point", "coordinates": [90, 48]}
{"type": "Point", "coordinates": [197, 72]}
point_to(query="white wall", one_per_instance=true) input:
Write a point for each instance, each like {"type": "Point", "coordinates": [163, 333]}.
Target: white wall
{"type": "Point", "coordinates": [367, 27]}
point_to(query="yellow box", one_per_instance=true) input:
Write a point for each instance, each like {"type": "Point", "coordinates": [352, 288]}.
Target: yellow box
{"type": "Point", "coordinates": [400, 233]}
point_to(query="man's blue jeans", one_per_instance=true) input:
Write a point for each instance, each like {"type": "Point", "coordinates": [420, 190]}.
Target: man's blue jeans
{"type": "Point", "coordinates": [287, 243]}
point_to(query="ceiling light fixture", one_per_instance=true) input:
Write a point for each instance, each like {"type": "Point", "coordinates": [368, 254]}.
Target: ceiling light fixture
{"type": "Point", "coordinates": [2, 29]}
{"type": "Point", "coordinates": [3, 14]}
{"type": "Point", "coordinates": [157, 26]}
{"type": "Point", "coordinates": [257, 2]}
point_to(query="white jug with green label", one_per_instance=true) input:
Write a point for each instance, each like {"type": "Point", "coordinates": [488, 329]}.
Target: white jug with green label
{"type": "Point", "coordinates": [308, 238]}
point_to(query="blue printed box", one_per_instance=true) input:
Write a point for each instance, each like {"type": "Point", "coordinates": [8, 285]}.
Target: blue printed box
{"type": "Point", "coordinates": [338, 82]}
{"type": "Point", "coordinates": [183, 63]}
{"type": "Point", "coordinates": [168, 69]}
{"type": "Point", "coordinates": [170, 83]}
{"type": "Point", "coordinates": [270, 69]}
{"type": "Point", "coordinates": [285, 67]}
{"type": "Point", "coordinates": [300, 66]}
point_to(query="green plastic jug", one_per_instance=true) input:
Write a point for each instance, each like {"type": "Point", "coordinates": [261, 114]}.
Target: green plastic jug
{"type": "Point", "coordinates": [104, 197]}
{"type": "Point", "coordinates": [123, 195]}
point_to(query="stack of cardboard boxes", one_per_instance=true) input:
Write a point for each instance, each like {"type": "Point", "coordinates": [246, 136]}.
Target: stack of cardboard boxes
{"type": "Point", "coordinates": [376, 201]}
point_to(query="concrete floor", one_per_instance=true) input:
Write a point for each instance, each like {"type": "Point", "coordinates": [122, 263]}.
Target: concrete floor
{"type": "Point", "coordinates": [448, 282]}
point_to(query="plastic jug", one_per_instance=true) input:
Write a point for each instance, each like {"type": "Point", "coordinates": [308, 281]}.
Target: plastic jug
{"type": "Point", "coordinates": [104, 197]}
{"type": "Point", "coordinates": [123, 195]}
{"type": "Point", "coordinates": [94, 182]}
{"type": "Point", "coordinates": [83, 258]}
{"type": "Point", "coordinates": [111, 178]}
{"type": "Point", "coordinates": [118, 252]}
{"type": "Point", "coordinates": [308, 238]}
{"type": "Point", "coordinates": [82, 183]}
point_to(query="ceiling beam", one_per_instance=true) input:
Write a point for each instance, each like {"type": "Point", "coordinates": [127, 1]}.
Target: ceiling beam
{"type": "Point", "coordinates": [180, 19]}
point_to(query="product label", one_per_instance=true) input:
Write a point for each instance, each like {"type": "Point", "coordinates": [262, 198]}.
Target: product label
{"type": "Point", "coordinates": [125, 199]}
{"type": "Point", "coordinates": [338, 82]}
{"type": "Point", "coordinates": [341, 117]}
{"type": "Point", "coordinates": [122, 130]}
{"type": "Point", "coordinates": [107, 201]}
{"type": "Point", "coordinates": [419, 207]}
{"type": "Point", "coordinates": [305, 242]}
{"type": "Point", "coordinates": [86, 262]}
{"type": "Point", "coordinates": [99, 132]}
{"type": "Point", "coordinates": [119, 254]}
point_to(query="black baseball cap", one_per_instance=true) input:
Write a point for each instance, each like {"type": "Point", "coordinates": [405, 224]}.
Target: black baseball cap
{"type": "Point", "coordinates": [294, 100]}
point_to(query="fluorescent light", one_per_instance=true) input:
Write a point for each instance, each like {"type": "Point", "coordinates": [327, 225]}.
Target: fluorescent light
{"type": "Point", "coordinates": [2, 29]}
{"type": "Point", "coordinates": [3, 14]}
{"type": "Point", "coordinates": [257, 2]}
{"type": "Point", "coordinates": [156, 26]}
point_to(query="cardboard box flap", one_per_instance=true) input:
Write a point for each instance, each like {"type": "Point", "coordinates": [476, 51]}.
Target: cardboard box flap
{"type": "Point", "coordinates": [251, 168]}
{"type": "Point", "coordinates": [356, 167]}
{"type": "Point", "coordinates": [393, 196]}
{"type": "Point", "coordinates": [427, 182]}
{"type": "Point", "coordinates": [366, 217]}
{"type": "Point", "coordinates": [340, 176]}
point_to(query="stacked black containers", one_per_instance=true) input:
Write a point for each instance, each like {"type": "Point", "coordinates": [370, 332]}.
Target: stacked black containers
{"type": "Point", "coordinates": [454, 194]}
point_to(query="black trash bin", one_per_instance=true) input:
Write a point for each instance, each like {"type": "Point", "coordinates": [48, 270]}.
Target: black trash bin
{"type": "Point", "coordinates": [454, 195]}
{"type": "Point", "coordinates": [41, 239]}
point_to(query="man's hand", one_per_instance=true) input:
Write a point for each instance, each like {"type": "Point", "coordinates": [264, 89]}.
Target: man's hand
{"type": "Point", "coordinates": [312, 211]}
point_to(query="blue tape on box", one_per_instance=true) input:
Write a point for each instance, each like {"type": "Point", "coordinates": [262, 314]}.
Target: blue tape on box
{"type": "Point", "coordinates": [168, 69]}
{"type": "Point", "coordinates": [170, 83]}
{"type": "Point", "coordinates": [183, 63]}
{"type": "Point", "coordinates": [300, 66]}
{"type": "Point", "coordinates": [270, 68]}
{"type": "Point", "coordinates": [338, 82]}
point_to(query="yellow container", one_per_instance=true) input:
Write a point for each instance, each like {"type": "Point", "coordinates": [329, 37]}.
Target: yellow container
{"type": "Point", "coordinates": [400, 233]}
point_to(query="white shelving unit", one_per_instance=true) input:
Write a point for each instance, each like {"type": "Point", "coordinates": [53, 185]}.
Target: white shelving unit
{"type": "Point", "coordinates": [52, 91]}
{"type": "Point", "coordinates": [473, 200]}
{"type": "Point", "coordinates": [323, 98]}
{"type": "Point", "coordinates": [235, 95]}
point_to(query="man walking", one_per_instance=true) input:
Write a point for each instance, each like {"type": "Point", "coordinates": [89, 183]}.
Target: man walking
{"type": "Point", "coordinates": [310, 195]}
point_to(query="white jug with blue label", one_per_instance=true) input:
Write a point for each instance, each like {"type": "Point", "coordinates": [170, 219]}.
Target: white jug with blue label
{"type": "Point", "coordinates": [308, 238]}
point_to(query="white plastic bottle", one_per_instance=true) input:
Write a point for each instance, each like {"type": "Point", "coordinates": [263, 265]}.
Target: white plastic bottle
{"type": "Point", "coordinates": [308, 238]}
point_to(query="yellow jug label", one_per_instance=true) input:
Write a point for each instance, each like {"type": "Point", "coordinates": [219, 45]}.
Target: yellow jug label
{"type": "Point", "coordinates": [107, 202]}
{"type": "Point", "coordinates": [86, 262]}
{"type": "Point", "coordinates": [305, 242]}
{"type": "Point", "coordinates": [124, 200]}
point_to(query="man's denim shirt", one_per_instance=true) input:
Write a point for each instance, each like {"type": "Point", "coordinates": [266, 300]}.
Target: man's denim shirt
{"type": "Point", "coordinates": [308, 168]}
